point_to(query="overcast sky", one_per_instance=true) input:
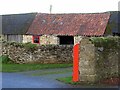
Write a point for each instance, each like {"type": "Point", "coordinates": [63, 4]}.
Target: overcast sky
{"type": "Point", "coordinates": [58, 6]}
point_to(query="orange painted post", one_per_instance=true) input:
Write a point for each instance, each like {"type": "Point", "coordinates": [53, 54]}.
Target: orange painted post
{"type": "Point", "coordinates": [76, 63]}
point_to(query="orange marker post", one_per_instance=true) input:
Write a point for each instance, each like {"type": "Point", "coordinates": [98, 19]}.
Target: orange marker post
{"type": "Point", "coordinates": [76, 63]}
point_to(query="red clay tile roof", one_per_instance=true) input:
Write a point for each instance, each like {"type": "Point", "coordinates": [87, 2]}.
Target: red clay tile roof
{"type": "Point", "coordinates": [69, 24]}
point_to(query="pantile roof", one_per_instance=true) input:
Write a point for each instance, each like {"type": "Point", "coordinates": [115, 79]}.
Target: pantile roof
{"type": "Point", "coordinates": [69, 24]}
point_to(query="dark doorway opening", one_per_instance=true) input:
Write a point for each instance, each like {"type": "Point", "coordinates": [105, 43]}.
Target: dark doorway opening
{"type": "Point", "coordinates": [116, 34]}
{"type": "Point", "coordinates": [66, 40]}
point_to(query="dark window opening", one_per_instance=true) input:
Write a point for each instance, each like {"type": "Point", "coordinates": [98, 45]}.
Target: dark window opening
{"type": "Point", "coordinates": [36, 39]}
{"type": "Point", "coordinates": [116, 34]}
{"type": "Point", "coordinates": [66, 40]}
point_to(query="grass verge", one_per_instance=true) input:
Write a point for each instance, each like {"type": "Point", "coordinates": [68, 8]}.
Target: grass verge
{"type": "Point", "coordinates": [68, 80]}
{"type": "Point", "coordinates": [51, 72]}
{"type": "Point", "coordinates": [30, 67]}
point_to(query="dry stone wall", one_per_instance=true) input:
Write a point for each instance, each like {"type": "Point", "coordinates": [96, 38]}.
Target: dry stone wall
{"type": "Point", "coordinates": [39, 54]}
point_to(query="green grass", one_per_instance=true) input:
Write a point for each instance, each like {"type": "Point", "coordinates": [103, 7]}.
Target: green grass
{"type": "Point", "coordinates": [68, 80]}
{"type": "Point", "coordinates": [30, 67]}
{"type": "Point", "coordinates": [51, 72]}
{"type": "Point", "coordinates": [5, 59]}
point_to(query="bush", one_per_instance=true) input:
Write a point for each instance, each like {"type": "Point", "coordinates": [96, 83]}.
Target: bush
{"type": "Point", "coordinates": [30, 46]}
{"type": "Point", "coordinates": [106, 42]}
{"type": "Point", "coordinates": [5, 59]}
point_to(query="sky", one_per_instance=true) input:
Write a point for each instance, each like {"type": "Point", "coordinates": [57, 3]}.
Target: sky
{"type": "Point", "coordinates": [58, 6]}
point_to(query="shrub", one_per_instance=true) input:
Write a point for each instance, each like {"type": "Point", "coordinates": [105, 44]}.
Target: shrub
{"type": "Point", "coordinates": [5, 59]}
{"type": "Point", "coordinates": [106, 42]}
{"type": "Point", "coordinates": [30, 46]}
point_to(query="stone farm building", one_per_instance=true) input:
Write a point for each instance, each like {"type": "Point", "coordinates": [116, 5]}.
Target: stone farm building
{"type": "Point", "coordinates": [14, 27]}
{"type": "Point", "coordinates": [44, 28]}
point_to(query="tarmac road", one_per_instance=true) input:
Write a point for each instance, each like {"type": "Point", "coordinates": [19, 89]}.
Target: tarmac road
{"type": "Point", "coordinates": [27, 80]}
{"type": "Point", "coordinates": [45, 79]}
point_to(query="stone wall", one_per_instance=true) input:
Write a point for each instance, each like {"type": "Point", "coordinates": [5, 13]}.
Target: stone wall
{"type": "Point", "coordinates": [39, 54]}
{"type": "Point", "coordinates": [77, 39]}
{"type": "Point", "coordinates": [4, 37]}
{"type": "Point", "coordinates": [44, 39]}
{"type": "Point", "coordinates": [49, 39]}
{"type": "Point", "coordinates": [98, 62]}
{"type": "Point", "coordinates": [27, 38]}
{"type": "Point", "coordinates": [1, 37]}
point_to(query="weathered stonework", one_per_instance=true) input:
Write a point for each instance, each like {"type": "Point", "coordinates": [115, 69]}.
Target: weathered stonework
{"type": "Point", "coordinates": [97, 63]}
{"type": "Point", "coordinates": [4, 37]}
{"type": "Point", "coordinates": [27, 38]}
{"type": "Point", "coordinates": [49, 39]}
{"type": "Point", "coordinates": [77, 39]}
{"type": "Point", "coordinates": [44, 39]}
{"type": "Point", "coordinates": [1, 37]}
{"type": "Point", "coordinates": [40, 54]}
{"type": "Point", "coordinates": [87, 61]}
